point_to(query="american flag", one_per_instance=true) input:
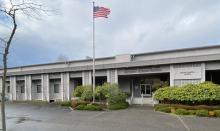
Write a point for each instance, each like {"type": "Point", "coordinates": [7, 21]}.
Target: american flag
{"type": "Point", "coordinates": [100, 12]}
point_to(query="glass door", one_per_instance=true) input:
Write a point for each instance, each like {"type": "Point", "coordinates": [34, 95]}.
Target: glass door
{"type": "Point", "coordinates": [145, 89]}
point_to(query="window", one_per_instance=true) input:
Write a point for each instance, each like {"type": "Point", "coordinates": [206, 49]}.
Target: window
{"type": "Point", "coordinates": [145, 89]}
{"type": "Point", "coordinates": [39, 89]}
{"type": "Point", "coordinates": [8, 89]}
{"type": "Point", "coordinates": [56, 88]}
{"type": "Point", "coordinates": [22, 89]}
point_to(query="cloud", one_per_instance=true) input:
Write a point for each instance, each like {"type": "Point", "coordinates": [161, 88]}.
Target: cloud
{"type": "Point", "coordinates": [132, 27]}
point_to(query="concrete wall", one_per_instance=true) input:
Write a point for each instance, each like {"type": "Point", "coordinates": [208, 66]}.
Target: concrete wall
{"type": "Point", "coordinates": [182, 74]}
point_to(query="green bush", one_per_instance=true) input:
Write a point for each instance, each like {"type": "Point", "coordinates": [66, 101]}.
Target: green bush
{"type": "Point", "coordinates": [204, 93]}
{"type": "Point", "coordinates": [90, 107]}
{"type": "Point", "coordinates": [202, 113]}
{"type": "Point", "coordinates": [117, 98]}
{"type": "Point", "coordinates": [77, 102]}
{"type": "Point", "coordinates": [80, 107]}
{"type": "Point", "coordinates": [66, 103]}
{"type": "Point", "coordinates": [118, 106]}
{"type": "Point", "coordinates": [79, 90]}
{"type": "Point", "coordinates": [164, 109]}
{"type": "Point", "coordinates": [87, 94]}
{"type": "Point", "coordinates": [217, 113]}
{"type": "Point", "coordinates": [182, 112]}
{"type": "Point", "coordinates": [102, 92]}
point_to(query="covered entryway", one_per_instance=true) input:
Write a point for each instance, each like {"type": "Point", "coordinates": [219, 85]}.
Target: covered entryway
{"type": "Point", "coordinates": [141, 87]}
{"type": "Point", "coordinates": [213, 75]}
{"type": "Point", "coordinates": [20, 90]}
{"type": "Point", "coordinates": [55, 90]}
{"type": "Point", "coordinates": [36, 90]}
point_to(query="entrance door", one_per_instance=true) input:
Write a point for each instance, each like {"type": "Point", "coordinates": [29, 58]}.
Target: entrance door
{"type": "Point", "coordinates": [145, 89]}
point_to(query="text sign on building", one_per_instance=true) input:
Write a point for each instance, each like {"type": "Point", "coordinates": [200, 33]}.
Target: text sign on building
{"type": "Point", "coordinates": [188, 71]}
{"type": "Point", "coordinates": [142, 70]}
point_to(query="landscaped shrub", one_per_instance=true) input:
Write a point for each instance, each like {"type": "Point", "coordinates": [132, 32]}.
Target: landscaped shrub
{"type": "Point", "coordinates": [164, 109]}
{"type": "Point", "coordinates": [204, 93]}
{"type": "Point", "coordinates": [202, 113]}
{"type": "Point", "coordinates": [87, 94]}
{"type": "Point", "coordinates": [117, 98]}
{"type": "Point", "coordinates": [92, 107]}
{"type": "Point", "coordinates": [217, 113]}
{"type": "Point", "coordinates": [77, 102]}
{"type": "Point", "coordinates": [118, 106]}
{"type": "Point", "coordinates": [102, 92]}
{"type": "Point", "coordinates": [66, 103]}
{"type": "Point", "coordinates": [89, 107]}
{"type": "Point", "coordinates": [80, 107]}
{"type": "Point", "coordinates": [79, 90]}
{"type": "Point", "coordinates": [182, 112]}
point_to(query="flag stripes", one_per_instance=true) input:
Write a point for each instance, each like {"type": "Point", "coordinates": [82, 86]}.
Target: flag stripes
{"type": "Point", "coordinates": [100, 12]}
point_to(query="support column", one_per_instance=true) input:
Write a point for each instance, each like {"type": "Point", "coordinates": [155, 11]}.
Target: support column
{"type": "Point", "coordinates": [28, 83]}
{"type": "Point", "coordinates": [203, 72]}
{"type": "Point", "coordinates": [112, 76]}
{"type": "Point", "coordinates": [87, 78]}
{"type": "Point", "coordinates": [13, 87]}
{"type": "Point", "coordinates": [171, 75]}
{"type": "Point", "coordinates": [65, 85]}
{"type": "Point", "coordinates": [0, 85]}
{"type": "Point", "coordinates": [45, 87]}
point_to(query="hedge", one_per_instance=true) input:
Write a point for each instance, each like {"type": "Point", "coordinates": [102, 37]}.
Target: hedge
{"type": "Point", "coordinates": [204, 93]}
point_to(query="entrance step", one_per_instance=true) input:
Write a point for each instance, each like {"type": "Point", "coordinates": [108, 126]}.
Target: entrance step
{"type": "Point", "coordinates": [142, 101]}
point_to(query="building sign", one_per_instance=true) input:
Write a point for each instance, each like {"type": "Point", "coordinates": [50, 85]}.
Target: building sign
{"type": "Point", "coordinates": [142, 70]}
{"type": "Point", "coordinates": [188, 72]}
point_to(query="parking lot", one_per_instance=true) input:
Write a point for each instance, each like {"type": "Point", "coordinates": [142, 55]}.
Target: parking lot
{"type": "Point", "coordinates": [41, 117]}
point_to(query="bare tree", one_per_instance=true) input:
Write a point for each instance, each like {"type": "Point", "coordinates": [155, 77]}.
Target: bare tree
{"type": "Point", "coordinates": [12, 9]}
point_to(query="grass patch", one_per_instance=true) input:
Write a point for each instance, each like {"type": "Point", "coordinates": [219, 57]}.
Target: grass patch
{"type": "Point", "coordinates": [202, 113]}
{"type": "Point", "coordinates": [180, 111]}
{"type": "Point", "coordinates": [163, 109]}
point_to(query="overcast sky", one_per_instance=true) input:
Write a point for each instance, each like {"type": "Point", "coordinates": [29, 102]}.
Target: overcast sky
{"type": "Point", "coordinates": [134, 26]}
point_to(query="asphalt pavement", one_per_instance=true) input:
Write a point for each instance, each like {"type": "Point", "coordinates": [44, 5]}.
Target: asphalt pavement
{"type": "Point", "coordinates": [42, 117]}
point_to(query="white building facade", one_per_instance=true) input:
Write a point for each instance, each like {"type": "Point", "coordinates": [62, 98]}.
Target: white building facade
{"type": "Point", "coordinates": [137, 74]}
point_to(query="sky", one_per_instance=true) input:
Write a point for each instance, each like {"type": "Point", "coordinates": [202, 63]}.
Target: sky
{"type": "Point", "coordinates": [134, 26]}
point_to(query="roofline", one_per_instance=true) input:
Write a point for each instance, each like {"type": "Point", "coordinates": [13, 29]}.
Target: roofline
{"type": "Point", "coordinates": [112, 57]}
{"type": "Point", "coordinates": [176, 50]}
{"type": "Point", "coordinates": [64, 62]}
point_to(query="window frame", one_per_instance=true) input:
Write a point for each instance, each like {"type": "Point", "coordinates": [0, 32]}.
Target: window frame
{"type": "Point", "coordinates": [56, 90]}
{"type": "Point", "coordinates": [39, 86]}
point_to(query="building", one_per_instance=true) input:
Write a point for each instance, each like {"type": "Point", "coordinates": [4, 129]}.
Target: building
{"type": "Point", "coordinates": [137, 74]}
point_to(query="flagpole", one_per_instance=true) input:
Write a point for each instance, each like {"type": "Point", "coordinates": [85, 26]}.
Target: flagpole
{"type": "Point", "coordinates": [93, 59]}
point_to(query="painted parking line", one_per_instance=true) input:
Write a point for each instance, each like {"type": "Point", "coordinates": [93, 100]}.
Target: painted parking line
{"type": "Point", "coordinates": [179, 118]}
{"type": "Point", "coordinates": [184, 124]}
